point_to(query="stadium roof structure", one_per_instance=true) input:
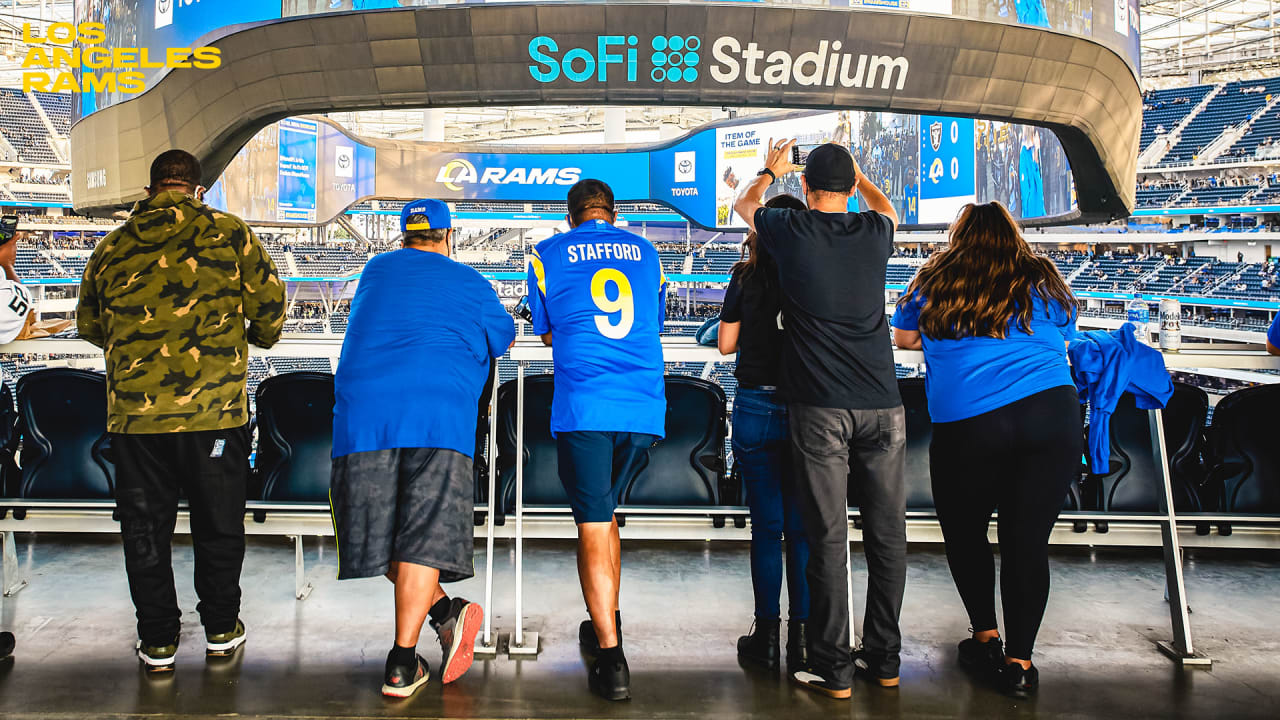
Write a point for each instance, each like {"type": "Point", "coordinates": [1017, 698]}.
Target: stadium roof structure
{"type": "Point", "coordinates": [1209, 40]}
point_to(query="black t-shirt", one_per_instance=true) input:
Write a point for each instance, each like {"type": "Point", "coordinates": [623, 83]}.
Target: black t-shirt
{"type": "Point", "coordinates": [831, 269]}
{"type": "Point", "coordinates": [755, 301]}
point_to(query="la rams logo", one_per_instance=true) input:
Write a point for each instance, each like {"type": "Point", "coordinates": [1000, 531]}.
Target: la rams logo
{"type": "Point", "coordinates": [935, 135]}
{"type": "Point", "coordinates": [455, 172]}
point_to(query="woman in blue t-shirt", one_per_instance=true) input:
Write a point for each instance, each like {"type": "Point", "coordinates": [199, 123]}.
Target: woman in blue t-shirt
{"type": "Point", "coordinates": [994, 319]}
{"type": "Point", "coordinates": [750, 326]}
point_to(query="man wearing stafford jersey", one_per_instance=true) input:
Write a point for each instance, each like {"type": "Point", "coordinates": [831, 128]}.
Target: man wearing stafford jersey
{"type": "Point", "coordinates": [600, 294]}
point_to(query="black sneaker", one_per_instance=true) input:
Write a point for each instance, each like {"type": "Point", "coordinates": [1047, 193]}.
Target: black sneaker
{"type": "Point", "coordinates": [224, 644]}
{"type": "Point", "coordinates": [401, 681]}
{"type": "Point", "coordinates": [1016, 682]}
{"type": "Point", "coordinates": [983, 658]}
{"type": "Point", "coordinates": [760, 646]}
{"type": "Point", "coordinates": [587, 639]}
{"type": "Point", "coordinates": [458, 638]}
{"type": "Point", "coordinates": [7, 643]}
{"type": "Point", "coordinates": [813, 679]}
{"type": "Point", "coordinates": [157, 658]}
{"type": "Point", "coordinates": [875, 667]}
{"type": "Point", "coordinates": [609, 677]}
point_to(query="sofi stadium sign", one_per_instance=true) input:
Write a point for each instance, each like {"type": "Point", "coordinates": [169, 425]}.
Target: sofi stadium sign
{"type": "Point", "coordinates": [677, 59]}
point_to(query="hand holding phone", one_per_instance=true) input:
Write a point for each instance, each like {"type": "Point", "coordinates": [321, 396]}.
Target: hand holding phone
{"type": "Point", "coordinates": [521, 309]}
{"type": "Point", "coordinates": [8, 228]}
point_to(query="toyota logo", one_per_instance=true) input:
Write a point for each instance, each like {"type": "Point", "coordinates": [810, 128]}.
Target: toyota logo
{"type": "Point", "coordinates": [685, 166]}
{"type": "Point", "coordinates": [344, 161]}
{"type": "Point", "coordinates": [162, 6]}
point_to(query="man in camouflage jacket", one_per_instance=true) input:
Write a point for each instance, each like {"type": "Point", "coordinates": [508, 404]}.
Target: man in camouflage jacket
{"type": "Point", "coordinates": [173, 297]}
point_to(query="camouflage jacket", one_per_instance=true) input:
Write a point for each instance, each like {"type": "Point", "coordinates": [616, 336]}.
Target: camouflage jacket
{"type": "Point", "coordinates": [167, 296]}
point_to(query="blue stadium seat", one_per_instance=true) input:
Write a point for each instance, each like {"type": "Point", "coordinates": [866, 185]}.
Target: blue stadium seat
{"type": "Point", "coordinates": [63, 421]}
{"type": "Point", "coordinates": [1243, 453]}
{"type": "Point", "coordinates": [295, 436]}
{"type": "Point", "coordinates": [684, 469]}
{"type": "Point", "coordinates": [919, 435]}
{"type": "Point", "coordinates": [541, 468]}
{"type": "Point", "coordinates": [1132, 483]}
{"type": "Point", "coordinates": [687, 466]}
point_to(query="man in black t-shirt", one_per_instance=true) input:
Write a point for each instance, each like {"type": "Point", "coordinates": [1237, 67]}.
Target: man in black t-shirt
{"type": "Point", "coordinates": [842, 395]}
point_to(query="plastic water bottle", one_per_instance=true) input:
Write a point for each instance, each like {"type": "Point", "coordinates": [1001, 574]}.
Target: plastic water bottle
{"type": "Point", "coordinates": [1170, 325]}
{"type": "Point", "coordinates": [1139, 314]}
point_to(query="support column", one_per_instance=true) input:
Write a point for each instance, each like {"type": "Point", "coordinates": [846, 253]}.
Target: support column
{"type": "Point", "coordinates": [433, 125]}
{"type": "Point", "coordinates": [615, 125]}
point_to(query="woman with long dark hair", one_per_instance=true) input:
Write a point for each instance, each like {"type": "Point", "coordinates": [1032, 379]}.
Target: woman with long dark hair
{"type": "Point", "coordinates": [993, 319]}
{"type": "Point", "coordinates": [750, 325]}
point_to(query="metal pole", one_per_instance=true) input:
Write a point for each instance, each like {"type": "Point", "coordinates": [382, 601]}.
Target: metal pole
{"type": "Point", "coordinates": [519, 639]}
{"type": "Point", "coordinates": [1181, 649]}
{"type": "Point", "coordinates": [521, 643]}
{"type": "Point", "coordinates": [848, 562]}
{"type": "Point", "coordinates": [487, 644]}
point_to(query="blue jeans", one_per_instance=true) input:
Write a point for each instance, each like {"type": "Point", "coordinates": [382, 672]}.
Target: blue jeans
{"type": "Point", "coordinates": [762, 451]}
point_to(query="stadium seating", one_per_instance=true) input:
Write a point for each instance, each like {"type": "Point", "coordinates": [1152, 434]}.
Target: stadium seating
{"type": "Point", "coordinates": [541, 467]}
{"type": "Point", "coordinates": [1164, 109]}
{"type": "Point", "coordinates": [686, 466]}
{"type": "Point", "coordinates": [919, 434]}
{"type": "Point", "coordinates": [1183, 420]}
{"type": "Point", "coordinates": [295, 437]}
{"type": "Point", "coordinates": [24, 130]}
{"type": "Point", "coordinates": [1132, 483]}
{"type": "Point", "coordinates": [1229, 108]}
{"type": "Point", "coordinates": [1243, 453]}
{"type": "Point", "coordinates": [1159, 196]}
{"type": "Point", "coordinates": [63, 421]}
{"type": "Point", "coordinates": [9, 442]}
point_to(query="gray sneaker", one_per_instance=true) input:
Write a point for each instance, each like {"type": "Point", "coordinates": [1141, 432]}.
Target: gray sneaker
{"type": "Point", "coordinates": [458, 638]}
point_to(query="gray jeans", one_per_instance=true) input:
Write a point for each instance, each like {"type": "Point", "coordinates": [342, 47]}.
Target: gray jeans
{"type": "Point", "coordinates": [828, 444]}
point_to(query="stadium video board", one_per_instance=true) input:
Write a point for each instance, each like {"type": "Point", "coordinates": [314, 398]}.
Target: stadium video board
{"type": "Point", "coordinates": [302, 171]}
{"type": "Point", "coordinates": [160, 24]}
{"type": "Point", "coordinates": [297, 171]}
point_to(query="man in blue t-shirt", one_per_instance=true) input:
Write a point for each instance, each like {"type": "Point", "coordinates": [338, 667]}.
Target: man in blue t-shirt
{"type": "Point", "coordinates": [422, 331]}
{"type": "Point", "coordinates": [600, 293]}
{"type": "Point", "coordinates": [1273, 336]}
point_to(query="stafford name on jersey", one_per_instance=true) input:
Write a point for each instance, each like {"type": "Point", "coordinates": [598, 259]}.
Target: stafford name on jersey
{"type": "Point", "coordinates": [602, 250]}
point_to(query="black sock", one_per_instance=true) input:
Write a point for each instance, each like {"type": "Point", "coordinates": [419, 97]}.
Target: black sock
{"type": "Point", "coordinates": [402, 655]}
{"type": "Point", "coordinates": [440, 611]}
{"type": "Point", "coordinates": [611, 655]}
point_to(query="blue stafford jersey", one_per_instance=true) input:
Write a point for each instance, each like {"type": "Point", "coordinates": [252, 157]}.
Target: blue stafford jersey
{"type": "Point", "coordinates": [601, 293]}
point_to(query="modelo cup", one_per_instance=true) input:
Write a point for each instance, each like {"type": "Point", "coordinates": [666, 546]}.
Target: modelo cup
{"type": "Point", "coordinates": [1170, 324]}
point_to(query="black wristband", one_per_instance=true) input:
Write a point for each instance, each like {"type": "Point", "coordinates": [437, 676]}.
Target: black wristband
{"type": "Point", "coordinates": [772, 178]}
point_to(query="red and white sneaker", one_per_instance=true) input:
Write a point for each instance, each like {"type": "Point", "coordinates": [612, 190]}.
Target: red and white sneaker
{"type": "Point", "coordinates": [458, 637]}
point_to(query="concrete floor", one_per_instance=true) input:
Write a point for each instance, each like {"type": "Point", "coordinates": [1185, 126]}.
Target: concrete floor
{"type": "Point", "coordinates": [684, 603]}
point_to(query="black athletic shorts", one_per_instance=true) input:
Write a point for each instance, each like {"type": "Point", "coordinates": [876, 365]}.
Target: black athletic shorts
{"type": "Point", "coordinates": [596, 468]}
{"type": "Point", "coordinates": [413, 505]}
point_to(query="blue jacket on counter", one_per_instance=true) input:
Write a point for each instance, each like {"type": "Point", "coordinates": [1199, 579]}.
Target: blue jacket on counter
{"type": "Point", "coordinates": [1105, 365]}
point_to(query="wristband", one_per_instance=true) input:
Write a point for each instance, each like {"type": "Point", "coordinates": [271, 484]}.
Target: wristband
{"type": "Point", "coordinates": [772, 178]}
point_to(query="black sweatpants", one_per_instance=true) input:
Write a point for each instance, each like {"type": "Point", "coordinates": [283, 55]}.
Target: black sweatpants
{"type": "Point", "coordinates": [212, 468]}
{"type": "Point", "coordinates": [1018, 459]}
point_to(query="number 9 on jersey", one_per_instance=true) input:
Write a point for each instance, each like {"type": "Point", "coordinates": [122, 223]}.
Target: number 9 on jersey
{"type": "Point", "coordinates": [623, 303]}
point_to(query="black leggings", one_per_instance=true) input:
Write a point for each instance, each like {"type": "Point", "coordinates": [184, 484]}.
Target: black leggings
{"type": "Point", "coordinates": [1019, 459]}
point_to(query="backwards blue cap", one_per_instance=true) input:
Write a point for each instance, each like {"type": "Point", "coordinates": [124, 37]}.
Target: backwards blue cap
{"type": "Point", "coordinates": [435, 212]}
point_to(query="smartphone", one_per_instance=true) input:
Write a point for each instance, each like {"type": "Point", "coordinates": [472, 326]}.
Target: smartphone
{"type": "Point", "coordinates": [8, 228]}
{"type": "Point", "coordinates": [800, 153]}
{"type": "Point", "coordinates": [521, 310]}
